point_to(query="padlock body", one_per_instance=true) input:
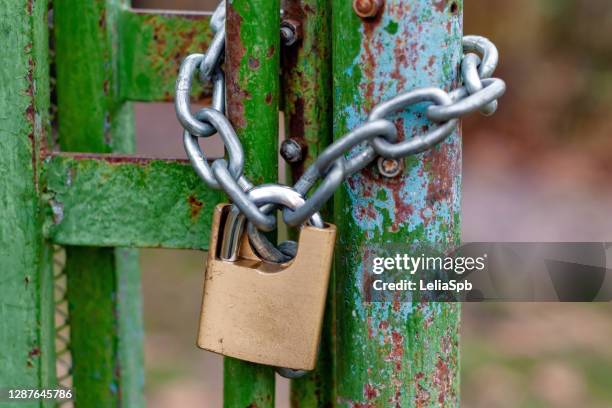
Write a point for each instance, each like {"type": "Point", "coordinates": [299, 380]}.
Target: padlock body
{"type": "Point", "coordinates": [267, 313]}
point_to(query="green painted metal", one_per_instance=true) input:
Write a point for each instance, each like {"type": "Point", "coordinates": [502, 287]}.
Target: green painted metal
{"type": "Point", "coordinates": [130, 327]}
{"type": "Point", "coordinates": [93, 325]}
{"type": "Point", "coordinates": [307, 100]}
{"type": "Point", "coordinates": [103, 200]}
{"type": "Point", "coordinates": [152, 46]}
{"type": "Point", "coordinates": [104, 281]}
{"type": "Point", "coordinates": [26, 291]}
{"type": "Point", "coordinates": [91, 117]}
{"type": "Point", "coordinates": [107, 54]}
{"type": "Point", "coordinates": [395, 354]}
{"type": "Point", "coordinates": [252, 81]}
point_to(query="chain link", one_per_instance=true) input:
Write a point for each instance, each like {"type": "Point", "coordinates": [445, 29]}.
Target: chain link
{"type": "Point", "coordinates": [376, 137]}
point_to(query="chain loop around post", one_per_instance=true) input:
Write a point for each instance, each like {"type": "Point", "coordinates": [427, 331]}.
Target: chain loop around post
{"type": "Point", "coordinates": [418, 143]}
{"type": "Point", "coordinates": [377, 137]}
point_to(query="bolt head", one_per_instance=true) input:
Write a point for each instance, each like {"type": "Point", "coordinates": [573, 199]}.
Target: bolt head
{"type": "Point", "coordinates": [390, 168]}
{"type": "Point", "coordinates": [291, 151]}
{"type": "Point", "coordinates": [367, 8]}
{"type": "Point", "coordinates": [290, 31]}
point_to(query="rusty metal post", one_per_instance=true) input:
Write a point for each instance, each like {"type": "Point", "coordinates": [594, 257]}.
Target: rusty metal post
{"type": "Point", "coordinates": [307, 96]}
{"type": "Point", "coordinates": [252, 66]}
{"type": "Point", "coordinates": [395, 354]}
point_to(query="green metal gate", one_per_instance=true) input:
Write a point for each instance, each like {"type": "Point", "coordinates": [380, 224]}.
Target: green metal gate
{"type": "Point", "coordinates": [69, 73]}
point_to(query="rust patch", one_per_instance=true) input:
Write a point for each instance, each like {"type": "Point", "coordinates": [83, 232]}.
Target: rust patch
{"type": "Point", "coordinates": [422, 397]}
{"type": "Point", "coordinates": [234, 52]}
{"type": "Point", "coordinates": [102, 19]}
{"type": "Point", "coordinates": [369, 59]}
{"type": "Point", "coordinates": [173, 44]}
{"type": "Point", "coordinates": [30, 112]}
{"type": "Point", "coordinates": [370, 392]}
{"type": "Point", "coordinates": [440, 5]}
{"type": "Point", "coordinates": [271, 51]}
{"type": "Point", "coordinates": [35, 352]}
{"type": "Point", "coordinates": [195, 206]}
{"type": "Point", "coordinates": [114, 158]}
{"type": "Point", "coordinates": [254, 63]}
{"type": "Point", "coordinates": [442, 380]}
{"type": "Point", "coordinates": [442, 169]}
{"type": "Point", "coordinates": [268, 99]}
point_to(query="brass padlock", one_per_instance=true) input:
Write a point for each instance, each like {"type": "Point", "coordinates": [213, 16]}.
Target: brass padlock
{"type": "Point", "coordinates": [263, 312]}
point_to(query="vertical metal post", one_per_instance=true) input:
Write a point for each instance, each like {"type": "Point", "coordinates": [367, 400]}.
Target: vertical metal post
{"type": "Point", "coordinates": [103, 283]}
{"type": "Point", "coordinates": [26, 274]}
{"type": "Point", "coordinates": [252, 62]}
{"type": "Point", "coordinates": [307, 97]}
{"type": "Point", "coordinates": [395, 354]}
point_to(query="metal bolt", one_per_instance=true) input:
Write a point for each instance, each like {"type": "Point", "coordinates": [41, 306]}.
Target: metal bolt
{"type": "Point", "coordinates": [367, 8]}
{"type": "Point", "coordinates": [290, 31]}
{"type": "Point", "coordinates": [291, 151]}
{"type": "Point", "coordinates": [390, 167]}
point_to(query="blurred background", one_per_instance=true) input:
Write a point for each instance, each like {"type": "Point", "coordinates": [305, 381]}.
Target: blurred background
{"type": "Point", "coordinates": [539, 170]}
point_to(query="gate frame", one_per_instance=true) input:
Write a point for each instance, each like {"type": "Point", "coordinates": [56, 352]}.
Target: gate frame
{"type": "Point", "coordinates": [83, 192]}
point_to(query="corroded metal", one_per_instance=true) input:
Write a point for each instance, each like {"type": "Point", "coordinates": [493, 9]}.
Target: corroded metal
{"type": "Point", "coordinates": [395, 354]}
{"type": "Point", "coordinates": [307, 95]}
{"type": "Point", "coordinates": [110, 200]}
{"type": "Point", "coordinates": [252, 64]}
{"type": "Point", "coordinates": [445, 111]}
{"type": "Point", "coordinates": [367, 8]}
{"type": "Point", "coordinates": [153, 44]}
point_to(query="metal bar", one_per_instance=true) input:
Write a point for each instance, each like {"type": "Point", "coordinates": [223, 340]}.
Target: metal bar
{"type": "Point", "coordinates": [101, 282]}
{"type": "Point", "coordinates": [26, 288]}
{"type": "Point", "coordinates": [110, 200]}
{"type": "Point", "coordinates": [397, 354]}
{"type": "Point", "coordinates": [306, 80]}
{"type": "Point", "coordinates": [252, 82]}
{"type": "Point", "coordinates": [153, 43]}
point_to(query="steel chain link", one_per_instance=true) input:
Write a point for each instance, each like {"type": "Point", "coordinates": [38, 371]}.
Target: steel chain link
{"type": "Point", "coordinates": [376, 137]}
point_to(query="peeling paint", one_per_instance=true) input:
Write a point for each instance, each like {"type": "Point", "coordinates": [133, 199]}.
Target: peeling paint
{"type": "Point", "coordinates": [58, 211]}
{"type": "Point", "coordinates": [307, 98]}
{"type": "Point", "coordinates": [403, 354]}
{"type": "Point", "coordinates": [235, 52]}
{"type": "Point", "coordinates": [195, 206]}
{"type": "Point", "coordinates": [252, 83]}
{"type": "Point", "coordinates": [154, 43]}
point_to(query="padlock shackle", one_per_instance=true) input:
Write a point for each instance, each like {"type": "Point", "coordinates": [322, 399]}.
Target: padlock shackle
{"type": "Point", "coordinates": [266, 197]}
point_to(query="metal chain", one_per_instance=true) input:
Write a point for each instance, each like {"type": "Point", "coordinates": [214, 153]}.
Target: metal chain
{"type": "Point", "coordinates": [376, 137]}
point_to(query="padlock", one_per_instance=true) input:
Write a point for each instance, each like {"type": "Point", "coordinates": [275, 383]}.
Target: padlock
{"type": "Point", "coordinates": [264, 312]}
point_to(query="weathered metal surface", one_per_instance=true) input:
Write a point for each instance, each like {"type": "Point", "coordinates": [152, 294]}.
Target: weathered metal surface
{"type": "Point", "coordinates": [153, 44]}
{"type": "Point", "coordinates": [91, 117]}
{"type": "Point", "coordinates": [307, 96]}
{"type": "Point", "coordinates": [307, 80]}
{"type": "Point", "coordinates": [104, 200]}
{"type": "Point", "coordinates": [252, 83]}
{"type": "Point", "coordinates": [26, 291]}
{"type": "Point", "coordinates": [395, 354]}
{"type": "Point", "coordinates": [101, 282]}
